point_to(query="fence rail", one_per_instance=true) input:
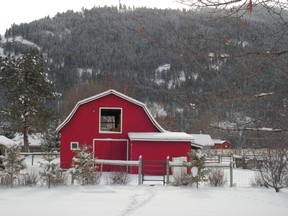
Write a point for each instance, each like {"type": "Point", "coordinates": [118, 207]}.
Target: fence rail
{"type": "Point", "coordinates": [33, 154]}
{"type": "Point", "coordinates": [138, 163]}
{"type": "Point", "coordinates": [171, 164]}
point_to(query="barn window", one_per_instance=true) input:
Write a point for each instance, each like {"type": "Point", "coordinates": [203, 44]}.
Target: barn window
{"type": "Point", "coordinates": [110, 120]}
{"type": "Point", "coordinates": [74, 145]}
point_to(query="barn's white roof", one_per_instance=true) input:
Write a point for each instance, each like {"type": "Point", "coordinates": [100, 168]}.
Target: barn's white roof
{"type": "Point", "coordinates": [111, 91]}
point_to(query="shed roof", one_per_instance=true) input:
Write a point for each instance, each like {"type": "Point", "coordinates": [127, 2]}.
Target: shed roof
{"type": "Point", "coordinates": [103, 94]}
{"type": "Point", "coordinates": [219, 141]}
{"type": "Point", "coordinates": [162, 136]}
{"type": "Point", "coordinates": [165, 136]}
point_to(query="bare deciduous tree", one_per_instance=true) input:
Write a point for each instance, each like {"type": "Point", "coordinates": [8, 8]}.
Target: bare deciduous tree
{"type": "Point", "coordinates": [274, 171]}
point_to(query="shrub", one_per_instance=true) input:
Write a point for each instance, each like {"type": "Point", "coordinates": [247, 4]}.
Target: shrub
{"type": "Point", "coordinates": [257, 181]}
{"type": "Point", "coordinates": [217, 178]}
{"type": "Point", "coordinates": [5, 180]}
{"type": "Point", "coordinates": [274, 170]}
{"type": "Point", "coordinates": [118, 177]}
{"type": "Point", "coordinates": [30, 179]}
{"type": "Point", "coordinates": [182, 180]}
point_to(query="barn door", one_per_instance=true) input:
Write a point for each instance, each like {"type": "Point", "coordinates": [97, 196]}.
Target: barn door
{"type": "Point", "coordinates": [110, 150]}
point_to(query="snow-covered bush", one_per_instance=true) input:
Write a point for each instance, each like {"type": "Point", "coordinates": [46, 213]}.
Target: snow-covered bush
{"type": "Point", "coordinates": [183, 179]}
{"type": "Point", "coordinates": [51, 173]}
{"type": "Point", "coordinates": [257, 181]}
{"type": "Point", "coordinates": [216, 177]}
{"type": "Point", "coordinates": [83, 167]}
{"type": "Point", "coordinates": [30, 178]}
{"type": "Point", "coordinates": [118, 177]}
{"type": "Point", "coordinates": [274, 170]}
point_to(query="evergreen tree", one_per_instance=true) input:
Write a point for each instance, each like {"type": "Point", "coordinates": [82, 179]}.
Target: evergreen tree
{"type": "Point", "coordinates": [83, 167]}
{"type": "Point", "coordinates": [13, 164]}
{"type": "Point", "coordinates": [51, 173]}
{"type": "Point", "coordinates": [27, 90]}
{"type": "Point", "coordinates": [198, 171]}
{"type": "Point", "coordinates": [50, 138]}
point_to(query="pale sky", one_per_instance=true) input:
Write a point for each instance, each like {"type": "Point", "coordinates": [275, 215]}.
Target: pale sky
{"type": "Point", "coordinates": [25, 11]}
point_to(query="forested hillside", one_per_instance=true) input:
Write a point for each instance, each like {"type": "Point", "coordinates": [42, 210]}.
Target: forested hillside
{"type": "Point", "coordinates": [194, 71]}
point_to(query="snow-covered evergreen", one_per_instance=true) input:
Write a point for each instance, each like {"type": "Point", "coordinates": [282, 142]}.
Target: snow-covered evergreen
{"type": "Point", "coordinates": [27, 89]}
{"type": "Point", "coordinates": [198, 171]}
{"type": "Point", "coordinates": [13, 164]}
{"type": "Point", "coordinates": [52, 173]}
{"type": "Point", "coordinates": [83, 168]}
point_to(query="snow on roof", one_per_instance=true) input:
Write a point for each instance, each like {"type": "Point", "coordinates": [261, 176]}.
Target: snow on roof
{"type": "Point", "coordinates": [203, 139]}
{"type": "Point", "coordinates": [218, 141]}
{"type": "Point", "coordinates": [111, 91]}
{"type": "Point", "coordinates": [156, 136]}
{"type": "Point", "coordinates": [6, 141]}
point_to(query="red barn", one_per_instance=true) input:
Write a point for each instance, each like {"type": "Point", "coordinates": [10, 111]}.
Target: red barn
{"type": "Point", "coordinates": [118, 127]}
{"type": "Point", "coordinates": [221, 144]}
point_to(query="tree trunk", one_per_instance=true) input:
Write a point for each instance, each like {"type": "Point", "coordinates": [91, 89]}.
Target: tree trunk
{"type": "Point", "coordinates": [25, 140]}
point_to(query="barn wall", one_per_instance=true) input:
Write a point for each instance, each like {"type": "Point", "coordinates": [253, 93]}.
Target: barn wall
{"type": "Point", "coordinates": [158, 150]}
{"type": "Point", "coordinates": [111, 150]}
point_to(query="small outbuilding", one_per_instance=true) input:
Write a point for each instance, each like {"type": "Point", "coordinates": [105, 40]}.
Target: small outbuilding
{"type": "Point", "coordinates": [5, 143]}
{"type": "Point", "coordinates": [221, 144]}
{"type": "Point", "coordinates": [118, 127]}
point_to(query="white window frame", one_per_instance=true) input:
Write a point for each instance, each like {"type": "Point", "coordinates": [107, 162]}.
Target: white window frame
{"type": "Point", "coordinates": [121, 120]}
{"type": "Point", "coordinates": [71, 146]}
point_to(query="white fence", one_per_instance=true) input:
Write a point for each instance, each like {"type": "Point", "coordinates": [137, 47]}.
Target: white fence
{"type": "Point", "coordinates": [235, 176]}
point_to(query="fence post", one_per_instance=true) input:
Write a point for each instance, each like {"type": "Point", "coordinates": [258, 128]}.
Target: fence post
{"type": "Point", "coordinates": [140, 171]}
{"type": "Point", "coordinates": [72, 179]}
{"type": "Point", "coordinates": [32, 162]}
{"type": "Point", "coordinates": [167, 170]}
{"type": "Point", "coordinates": [231, 173]}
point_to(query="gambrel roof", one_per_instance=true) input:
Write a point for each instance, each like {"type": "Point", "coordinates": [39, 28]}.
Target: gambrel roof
{"type": "Point", "coordinates": [103, 94]}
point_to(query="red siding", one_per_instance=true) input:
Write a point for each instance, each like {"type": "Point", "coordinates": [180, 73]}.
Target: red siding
{"type": "Point", "coordinates": [224, 145]}
{"type": "Point", "coordinates": [158, 150]}
{"type": "Point", "coordinates": [110, 150]}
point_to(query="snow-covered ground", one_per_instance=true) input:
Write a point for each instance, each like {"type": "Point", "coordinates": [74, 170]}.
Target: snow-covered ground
{"type": "Point", "coordinates": [142, 200]}
{"type": "Point", "coordinates": [147, 199]}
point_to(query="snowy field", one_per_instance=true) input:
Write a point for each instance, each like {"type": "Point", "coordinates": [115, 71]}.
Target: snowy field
{"type": "Point", "coordinates": [156, 199]}
{"type": "Point", "coordinates": [142, 200]}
